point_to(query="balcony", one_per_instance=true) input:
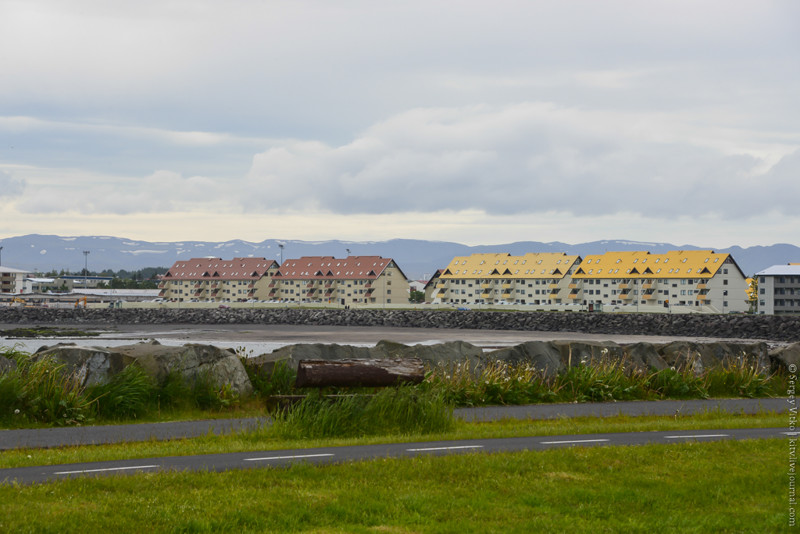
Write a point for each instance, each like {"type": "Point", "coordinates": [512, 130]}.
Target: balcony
{"type": "Point", "coordinates": [626, 296]}
{"type": "Point", "coordinates": [553, 286]}
{"type": "Point", "coordinates": [507, 286]}
{"type": "Point", "coordinates": [624, 285]}
{"type": "Point", "coordinates": [702, 285]}
{"type": "Point", "coordinates": [574, 285]}
{"type": "Point", "coordinates": [486, 285]}
{"type": "Point", "coordinates": [649, 296]}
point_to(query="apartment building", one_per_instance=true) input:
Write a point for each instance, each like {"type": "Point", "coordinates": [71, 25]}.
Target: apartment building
{"type": "Point", "coordinates": [12, 280]}
{"type": "Point", "coordinates": [779, 290]}
{"type": "Point", "coordinates": [500, 278]}
{"type": "Point", "coordinates": [355, 280]}
{"type": "Point", "coordinates": [217, 280]}
{"type": "Point", "coordinates": [687, 278]}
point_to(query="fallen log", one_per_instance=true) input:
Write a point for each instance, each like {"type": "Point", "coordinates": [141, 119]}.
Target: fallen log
{"type": "Point", "coordinates": [369, 373]}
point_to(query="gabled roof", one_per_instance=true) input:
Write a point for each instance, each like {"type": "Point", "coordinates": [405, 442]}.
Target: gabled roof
{"type": "Point", "coordinates": [642, 264]}
{"type": "Point", "coordinates": [330, 268]}
{"type": "Point", "coordinates": [219, 269]}
{"type": "Point", "coordinates": [504, 265]}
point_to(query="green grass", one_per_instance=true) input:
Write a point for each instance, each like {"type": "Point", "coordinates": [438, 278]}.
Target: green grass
{"type": "Point", "coordinates": [729, 486]}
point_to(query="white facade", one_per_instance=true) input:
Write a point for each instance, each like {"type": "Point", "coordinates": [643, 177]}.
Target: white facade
{"type": "Point", "coordinates": [779, 290]}
{"type": "Point", "coordinates": [12, 281]}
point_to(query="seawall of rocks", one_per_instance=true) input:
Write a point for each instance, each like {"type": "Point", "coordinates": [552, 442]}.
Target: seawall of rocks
{"type": "Point", "coordinates": [739, 326]}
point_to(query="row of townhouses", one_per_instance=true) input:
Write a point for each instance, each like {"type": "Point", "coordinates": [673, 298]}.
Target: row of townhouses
{"type": "Point", "coordinates": [684, 278]}
{"type": "Point", "coordinates": [700, 280]}
{"type": "Point", "coordinates": [356, 280]}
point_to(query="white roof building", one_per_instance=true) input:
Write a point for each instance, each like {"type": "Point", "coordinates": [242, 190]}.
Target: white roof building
{"type": "Point", "coordinates": [779, 290]}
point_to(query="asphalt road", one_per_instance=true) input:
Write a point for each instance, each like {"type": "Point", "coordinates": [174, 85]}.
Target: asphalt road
{"type": "Point", "coordinates": [329, 455]}
{"type": "Point", "coordinates": [55, 437]}
{"type": "Point", "coordinates": [94, 435]}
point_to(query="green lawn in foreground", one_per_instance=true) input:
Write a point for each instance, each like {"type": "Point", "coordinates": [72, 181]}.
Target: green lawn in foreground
{"type": "Point", "coordinates": [725, 486]}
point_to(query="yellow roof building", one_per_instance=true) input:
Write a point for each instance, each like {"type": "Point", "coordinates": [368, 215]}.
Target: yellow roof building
{"type": "Point", "coordinates": [642, 264]}
{"type": "Point", "coordinates": [503, 265]}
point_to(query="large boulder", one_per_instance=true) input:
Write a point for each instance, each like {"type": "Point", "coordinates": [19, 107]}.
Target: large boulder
{"type": "Point", "coordinates": [7, 365]}
{"type": "Point", "coordinates": [544, 356]}
{"type": "Point", "coordinates": [785, 358]}
{"type": "Point", "coordinates": [191, 361]}
{"type": "Point", "coordinates": [645, 356]}
{"type": "Point", "coordinates": [432, 355]}
{"type": "Point", "coordinates": [704, 356]}
{"type": "Point", "coordinates": [96, 365]}
{"type": "Point", "coordinates": [91, 365]}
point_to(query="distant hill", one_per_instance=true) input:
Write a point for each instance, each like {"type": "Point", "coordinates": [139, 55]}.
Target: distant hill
{"type": "Point", "coordinates": [417, 258]}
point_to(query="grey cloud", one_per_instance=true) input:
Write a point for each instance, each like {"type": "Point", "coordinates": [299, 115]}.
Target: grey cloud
{"type": "Point", "coordinates": [513, 160]}
{"type": "Point", "coordinates": [10, 186]}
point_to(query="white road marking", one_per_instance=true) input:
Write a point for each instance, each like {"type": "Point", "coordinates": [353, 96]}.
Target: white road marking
{"type": "Point", "coordinates": [791, 433]}
{"type": "Point", "coordinates": [698, 436]}
{"type": "Point", "coordinates": [573, 441]}
{"type": "Point", "coordinates": [106, 469]}
{"type": "Point", "coordinates": [286, 457]}
{"type": "Point", "coordinates": [446, 448]}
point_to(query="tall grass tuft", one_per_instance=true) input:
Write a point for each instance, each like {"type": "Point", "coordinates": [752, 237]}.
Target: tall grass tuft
{"type": "Point", "coordinates": [126, 395]}
{"type": "Point", "coordinates": [603, 379]}
{"type": "Point", "coordinates": [208, 395]}
{"type": "Point", "coordinates": [172, 391]}
{"type": "Point", "coordinates": [740, 379]}
{"type": "Point", "coordinates": [278, 382]}
{"type": "Point", "coordinates": [48, 394]}
{"type": "Point", "coordinates": [393, 411]}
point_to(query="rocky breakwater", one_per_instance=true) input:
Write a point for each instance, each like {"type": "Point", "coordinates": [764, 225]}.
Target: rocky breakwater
{"type": "Point", "coordinates": [732, 326]}
{"type": "Point", "coordinates": [553, 357]}
{"type": "Point", "coordinates": [96, 365]}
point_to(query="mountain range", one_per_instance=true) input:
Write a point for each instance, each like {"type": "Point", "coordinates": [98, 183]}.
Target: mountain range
{"type": "Point", "coordinates": [417, 258]}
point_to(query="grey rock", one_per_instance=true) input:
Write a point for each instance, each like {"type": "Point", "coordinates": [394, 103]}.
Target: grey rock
{"type": "Point", "coordinates": [7, 365]}
{"type": "Point", "coordinates": [782, 358]}
{"type": "Point", "coordinates": [91, 365]}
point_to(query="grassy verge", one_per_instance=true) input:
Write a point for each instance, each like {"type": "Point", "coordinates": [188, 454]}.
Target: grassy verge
{"type": "Point", "coordinates": [266, 439]}
{"type": "Point", "coordinates": [694, 487]}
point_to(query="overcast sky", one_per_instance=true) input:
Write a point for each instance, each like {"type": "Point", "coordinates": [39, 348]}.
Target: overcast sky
{"type": "Point", "coordinates": [476, 122]}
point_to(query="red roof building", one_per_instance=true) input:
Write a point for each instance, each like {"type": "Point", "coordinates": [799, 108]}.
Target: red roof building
{"type": "Point", "coordinates": [358, 280]}
{"type": "Point", "coordinates": [216, 280]}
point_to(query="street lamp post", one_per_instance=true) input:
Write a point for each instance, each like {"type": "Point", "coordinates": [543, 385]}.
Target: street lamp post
{"type": "Point", "coordinates": [85, 267]}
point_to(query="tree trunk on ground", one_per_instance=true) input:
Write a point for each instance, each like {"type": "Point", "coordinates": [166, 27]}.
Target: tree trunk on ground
{"type": "Point", "coordinates": [368, 373]}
